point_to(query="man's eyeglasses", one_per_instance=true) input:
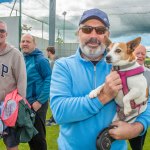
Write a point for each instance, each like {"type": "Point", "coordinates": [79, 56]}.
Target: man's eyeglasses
{"type": "Point", "coordinates": [2, 30]}
{"type": "Point", "coordinates": [89, 29]}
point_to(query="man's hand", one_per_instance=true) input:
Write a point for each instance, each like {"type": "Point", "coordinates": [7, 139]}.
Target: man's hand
{"type": "Point", "coordinates": [111, 87]}
{"type": "Point", "coordinates": [124, 130]}
{"type": "Point", "coordinates": [36, 105]}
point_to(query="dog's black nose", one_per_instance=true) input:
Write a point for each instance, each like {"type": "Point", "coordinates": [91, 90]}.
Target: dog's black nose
{"type": "Point", "coordinates": [108, 59]}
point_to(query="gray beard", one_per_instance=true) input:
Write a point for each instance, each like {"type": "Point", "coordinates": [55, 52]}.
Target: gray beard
{"type": "Point", "coordinates": [92, 54]}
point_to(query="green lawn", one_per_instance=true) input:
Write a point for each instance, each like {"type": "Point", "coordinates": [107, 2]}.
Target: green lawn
{"type": "Point", "coordinates": [52, 134]}
{"type": "Point", "coordinates": [147, 61]}
{"type": "Point", "coordinates": [51, 137]}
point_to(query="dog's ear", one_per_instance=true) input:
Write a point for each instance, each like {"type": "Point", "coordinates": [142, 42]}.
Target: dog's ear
{"type": "Point", "coordinates": [132, 45]}
{"type": "Point", "coordinates": [107, 41]}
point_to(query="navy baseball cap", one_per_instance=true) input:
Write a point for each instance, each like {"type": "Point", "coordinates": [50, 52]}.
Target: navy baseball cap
{"type": "Point", "coordinates": [95, 14]}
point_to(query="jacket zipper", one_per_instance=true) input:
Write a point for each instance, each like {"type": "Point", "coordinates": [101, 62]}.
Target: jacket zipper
{"type": "Point", "coordinates": [94, 76]}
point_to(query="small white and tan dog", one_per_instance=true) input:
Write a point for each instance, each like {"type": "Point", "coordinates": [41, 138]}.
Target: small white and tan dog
{"type": "Point", "coordinates": [132, 99]}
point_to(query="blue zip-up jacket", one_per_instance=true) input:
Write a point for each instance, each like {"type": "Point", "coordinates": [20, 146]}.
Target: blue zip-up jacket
{"type": "Point", "coordinates": [81, 118]}
{"type": "Point", "coordinates": [38, 77]}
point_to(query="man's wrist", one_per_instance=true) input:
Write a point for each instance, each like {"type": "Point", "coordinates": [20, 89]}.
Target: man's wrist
{"type": "Point", "coordinates": [137, 128]}
{"type": "Point", "coordinates": [103, 97]}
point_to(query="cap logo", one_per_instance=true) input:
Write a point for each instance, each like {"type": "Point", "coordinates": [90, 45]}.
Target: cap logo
{"type": "Point", "coordinates": [105, 19]}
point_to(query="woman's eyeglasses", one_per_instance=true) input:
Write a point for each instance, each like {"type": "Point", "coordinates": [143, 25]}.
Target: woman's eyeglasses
{"type": "Point", "coordinates": [2, 31]}
{"type": "Point", "coordinates": [89, 29]}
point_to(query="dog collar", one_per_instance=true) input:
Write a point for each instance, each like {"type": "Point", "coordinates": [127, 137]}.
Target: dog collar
{"type": "Point", "coordinates": [117, 68]}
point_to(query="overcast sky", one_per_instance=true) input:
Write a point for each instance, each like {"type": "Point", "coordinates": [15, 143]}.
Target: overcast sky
{"type": "Point", "coordinates": [128, 18]}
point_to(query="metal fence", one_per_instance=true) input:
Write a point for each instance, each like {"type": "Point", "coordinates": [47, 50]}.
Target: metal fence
{"type": "Point", "coordinates": [62, 49]}
{"type": "Point", "coordinates": [65, 49]}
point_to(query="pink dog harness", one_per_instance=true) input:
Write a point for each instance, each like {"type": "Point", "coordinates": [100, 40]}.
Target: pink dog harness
{"type": "Point", "coordinates": [124, 75]}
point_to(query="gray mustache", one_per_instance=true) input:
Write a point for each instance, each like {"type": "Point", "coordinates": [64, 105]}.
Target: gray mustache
{"type": "Point", "coordinates": [93, 40]}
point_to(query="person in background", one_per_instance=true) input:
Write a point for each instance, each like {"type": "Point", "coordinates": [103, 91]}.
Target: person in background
{"type": "Point", "coordinates": [81, 118]}
{"type": "Point", "coordinates": [52, 57]}
{"type": "Point", "coordinates": [38, 87]}
{"type": "Point", "coordinates": [12, 76]}
{"type": "Point", "coordinates": [137, 143]}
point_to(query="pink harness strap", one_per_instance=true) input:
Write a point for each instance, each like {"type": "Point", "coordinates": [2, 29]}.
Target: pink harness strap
{"type": "Point", "coordinates": [124, 75]}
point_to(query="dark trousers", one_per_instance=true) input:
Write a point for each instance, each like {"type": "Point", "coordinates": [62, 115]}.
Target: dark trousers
{"type": "Point", "coordinates": [137, 143]}
{"type": "Point", "coordinates": [38, 142]}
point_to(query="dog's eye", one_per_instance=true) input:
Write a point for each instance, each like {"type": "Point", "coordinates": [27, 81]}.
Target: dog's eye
{"type": "Point", "coordinates": [107, 49]}
{"type": "Point", "coordinates": [118, 50]}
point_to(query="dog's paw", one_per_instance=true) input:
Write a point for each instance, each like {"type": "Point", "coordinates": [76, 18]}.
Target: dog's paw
{"type": "Point", "coordinates": [127, 111]}
{"type": "Point", "coordinates": [93, 94]}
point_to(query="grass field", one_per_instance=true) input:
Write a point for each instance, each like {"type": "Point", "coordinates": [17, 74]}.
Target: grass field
{"type": "Point", "coordinates": [52, 134]}
{"type": "Point", "coordinates": [147, 61]}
